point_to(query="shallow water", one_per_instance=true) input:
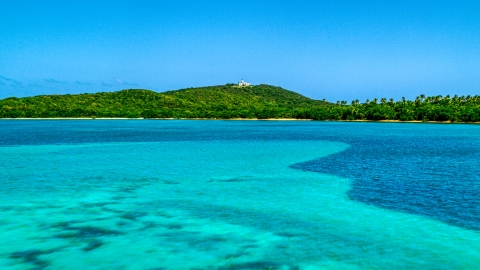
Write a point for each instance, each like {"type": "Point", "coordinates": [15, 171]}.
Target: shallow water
{"type": "Point", "coordinates": [238, 195]}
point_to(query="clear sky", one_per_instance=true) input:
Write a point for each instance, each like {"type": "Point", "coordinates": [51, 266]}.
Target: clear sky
{"type": "Point", "coordinates": [338, 50]}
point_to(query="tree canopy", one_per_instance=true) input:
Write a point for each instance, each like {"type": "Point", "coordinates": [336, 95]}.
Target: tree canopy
{"type": "Point", "coordinates": [230, 101]}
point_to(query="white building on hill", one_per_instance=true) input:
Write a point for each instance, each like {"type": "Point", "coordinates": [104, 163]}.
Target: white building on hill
{"type": "Point", "coordinates": [244, 83]}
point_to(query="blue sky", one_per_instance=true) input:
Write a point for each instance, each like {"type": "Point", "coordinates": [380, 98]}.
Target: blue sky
{"type": "Point", "coordinates": [338, 50]}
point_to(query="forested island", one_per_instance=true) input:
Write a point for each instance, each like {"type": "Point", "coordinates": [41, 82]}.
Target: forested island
{"type": "Point", "coordinates": [231, 101]}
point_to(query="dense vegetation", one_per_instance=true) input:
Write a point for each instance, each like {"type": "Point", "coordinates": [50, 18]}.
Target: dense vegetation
{"type": "Point", "coordinates": [436, 108]}
{"type": "Point", "coordinates": [230, 101]}
{"type": "Point", "coordinates": [225, 101]}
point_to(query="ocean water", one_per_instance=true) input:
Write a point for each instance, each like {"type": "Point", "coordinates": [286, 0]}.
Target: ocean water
{"type": "Point", "coordinates": [140, 194]}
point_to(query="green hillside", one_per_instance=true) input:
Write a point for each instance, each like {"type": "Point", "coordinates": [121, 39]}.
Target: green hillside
{"type": "Point", "coordinates": [224, 101]}
{"type": "Point", "coordinates": [230, 101]}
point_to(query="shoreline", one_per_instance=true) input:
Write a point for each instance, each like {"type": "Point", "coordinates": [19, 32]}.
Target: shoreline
{"type": "Point", "coordinates": [74, 118]}
{"type": "Point", "coordinates": [245, 119]}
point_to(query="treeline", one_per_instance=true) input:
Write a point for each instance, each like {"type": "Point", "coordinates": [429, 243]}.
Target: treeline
{"type": "Point", "coordinates": [224, 101]}
{"type": "Point", "coordinates": [230, 101]}
{"type": "Point", "coordinates": [434, 108]}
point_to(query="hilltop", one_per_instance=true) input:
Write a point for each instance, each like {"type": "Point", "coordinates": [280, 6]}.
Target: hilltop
{"type": "Point", "coordinates": [223, 101]}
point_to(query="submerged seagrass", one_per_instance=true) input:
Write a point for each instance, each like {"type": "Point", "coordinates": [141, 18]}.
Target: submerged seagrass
{"type": "Point", "coordinates": [238, 195]}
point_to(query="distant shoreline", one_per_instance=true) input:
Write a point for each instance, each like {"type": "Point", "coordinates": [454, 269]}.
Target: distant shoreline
{"type": "Point", "coordinates": [267, 102]}
{"type": "Point", "coordinates": [245, 119]}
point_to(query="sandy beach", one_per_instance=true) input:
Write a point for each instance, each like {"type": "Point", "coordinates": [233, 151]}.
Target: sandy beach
{"type": "Point", "coordinates": [244, 119]}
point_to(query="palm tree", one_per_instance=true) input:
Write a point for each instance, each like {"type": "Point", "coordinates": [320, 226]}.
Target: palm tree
{"type": "Point", "coordinates": [418, 100]}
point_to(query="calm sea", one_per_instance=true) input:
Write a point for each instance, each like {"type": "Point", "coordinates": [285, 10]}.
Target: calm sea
{"type": "Point", "coordinates": [146, 194]}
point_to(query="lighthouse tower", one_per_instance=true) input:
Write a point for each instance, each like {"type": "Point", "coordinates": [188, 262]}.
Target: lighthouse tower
{"type": "Point", "coordinates": [244, 83]}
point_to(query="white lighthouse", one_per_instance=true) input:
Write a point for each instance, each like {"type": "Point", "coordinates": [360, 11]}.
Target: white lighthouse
{"type": "Point", "coordinates": [244, 83]}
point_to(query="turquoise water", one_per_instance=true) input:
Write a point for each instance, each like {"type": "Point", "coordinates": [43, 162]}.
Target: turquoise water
{"type": "Point", "coordinates": [238, 195]}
